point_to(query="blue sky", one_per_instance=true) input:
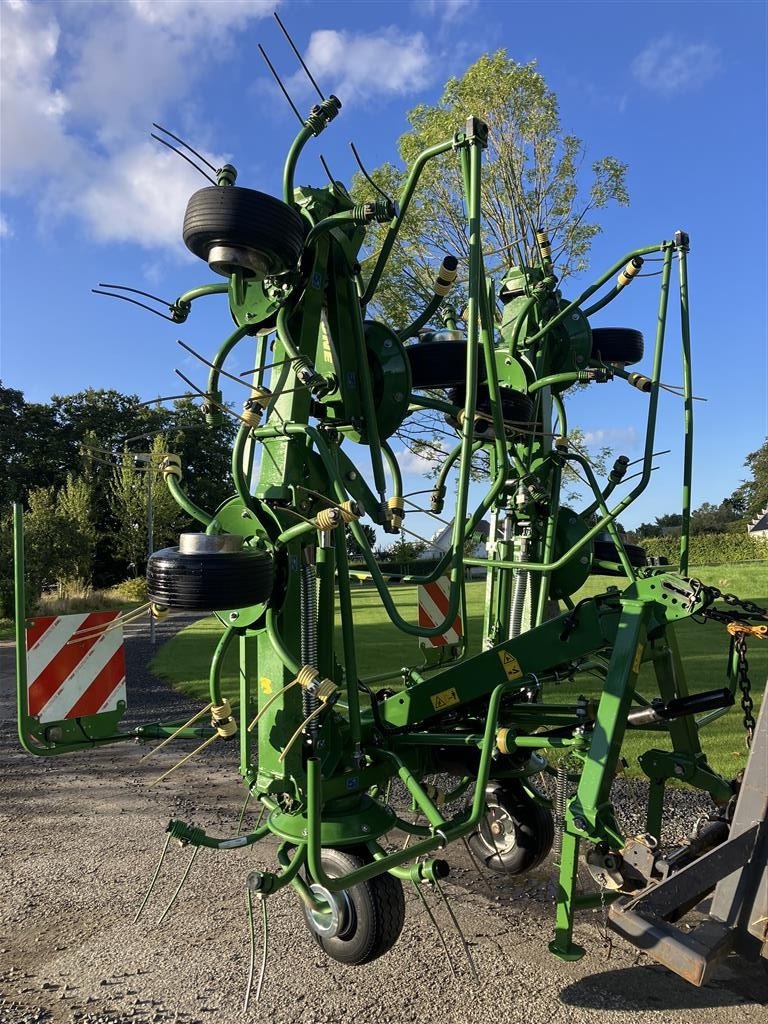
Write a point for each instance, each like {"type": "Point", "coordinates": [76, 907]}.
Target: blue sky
{"type": "Point", "coordinates": [676, 90]}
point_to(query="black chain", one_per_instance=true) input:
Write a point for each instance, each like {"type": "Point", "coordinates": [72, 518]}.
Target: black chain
{"type": "Point", "coordinates": [747, 704]}
{"type": "Point", "coordinates": [749, 610]}
{"type": "Point", "coordinates": [739, 611]}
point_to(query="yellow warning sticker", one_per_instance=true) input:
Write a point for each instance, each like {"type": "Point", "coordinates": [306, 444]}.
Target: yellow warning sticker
{"type": "Point", "coordinates": [637, 659]}
{"type": "Point", "coordinates": [266, 685]}
{"type": "Point", "coordinates": [445, 699]}
{"type": "Point", "coordinates": [511, 665]}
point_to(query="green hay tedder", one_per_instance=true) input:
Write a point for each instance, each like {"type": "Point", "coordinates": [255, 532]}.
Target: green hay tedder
{"type": "Point", "coordinates": [467, 736]}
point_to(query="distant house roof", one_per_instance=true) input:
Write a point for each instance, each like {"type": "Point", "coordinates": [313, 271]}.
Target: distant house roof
{"type": "Point", "coordinates": [760, 523]}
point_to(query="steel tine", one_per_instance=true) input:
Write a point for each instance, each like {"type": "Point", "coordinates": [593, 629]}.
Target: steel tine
{"type": "Point", "coordinates": [476, 863]}
{"type": "Point", "coordinates": [436, 926]}
{"type": "Point", "coordinates": [265, 932]}
{"type": "Point", "coordinates": [140, 911]}
{"type": "Point", "coordinates": [252, 959]}
{"type": "Point", "coordinates": [459, 932]}
{"type": "Point", "coordinates": [265, 948]}
{"type": "Point", "coordinates": [180, 885]}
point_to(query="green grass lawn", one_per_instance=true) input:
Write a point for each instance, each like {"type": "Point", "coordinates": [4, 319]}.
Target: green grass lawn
{"type": "Point", "coordinates": [185, 660]}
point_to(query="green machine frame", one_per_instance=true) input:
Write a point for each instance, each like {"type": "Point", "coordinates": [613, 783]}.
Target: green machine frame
{"type": "Point", "coordinates": [319, 747]}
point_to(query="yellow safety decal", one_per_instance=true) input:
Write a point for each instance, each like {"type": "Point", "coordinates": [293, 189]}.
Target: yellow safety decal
{"type": "Point", "coordinates": [637, 659]}
{"type": "Point", "coordinates": [265, 684]}
{"type": "Point", "coordinates": [511, 665]}
{"type": "Point", "coordinates": [445, 699]}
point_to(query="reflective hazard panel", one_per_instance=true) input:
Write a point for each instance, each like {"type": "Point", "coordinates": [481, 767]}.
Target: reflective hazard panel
{"type": "Point", "coordinates": [75, 692]}
{"type": "Point", "coordinates": [433, 607]}
{"type": "Point", "coordinates": [75, 666]}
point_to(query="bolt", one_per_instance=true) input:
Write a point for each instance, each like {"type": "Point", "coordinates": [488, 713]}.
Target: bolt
{"type": "Point", "coordinates": [574, 316]}
{"type": "Point", "coordinates": [234, 616]}
{"type": "Point", "coordinates": [303, 831]}
{"type": "Point", "coordinates": [398, 396]}
{"type": "Point", "coordinates": [580, 823]}
{"type": "Point", "coordinates": [365, 829]}
{"type": "Point", "coordinates": [679, 770]}
{"type": "Point", "coordinates": [351, 475]}
{"type": "Point", "coordinates": [387, 343]}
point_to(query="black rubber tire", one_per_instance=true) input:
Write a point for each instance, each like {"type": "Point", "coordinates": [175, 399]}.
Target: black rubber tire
{"type": "Point", "coordinates": [605, 551]}
{"type": "Point", "coordinates": [377, 911]}
{"type": "Point", "coordinates": [516, 408]}
{"type": "Point", "coordinates": [209, 582]}
{"type": "Point", "coordinates": [529, 843]}
{"type": "Point", "coordinates": [439, 364]}
{"type": "Point", "coordinates": [243, 217]}
{"type": "Point", "coordinates": [622, 345]}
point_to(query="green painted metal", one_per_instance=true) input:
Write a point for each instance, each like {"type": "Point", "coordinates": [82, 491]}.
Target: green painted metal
{"type": "Point", "coordinates": [325, 748]}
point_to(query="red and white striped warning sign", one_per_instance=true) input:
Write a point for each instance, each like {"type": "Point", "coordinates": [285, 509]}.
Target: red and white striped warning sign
{"type": "Point", "coordinates": [78, 678]}
{"type": "Point", "coordinates": [433, 607]}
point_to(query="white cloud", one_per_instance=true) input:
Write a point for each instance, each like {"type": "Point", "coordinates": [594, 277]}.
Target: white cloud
{"type": "Point", "coordinates": [32, 106]}
{"type": "Point", "coordinates": [449, 11]}
{"type": "Point", "coordinates": [81, 83]}
{"type": "Point", "coordinates": [198, 17]}
{"type": "Point", "coordinates": [612, 436]}
{"type": "Point", "coordinates": [140, 197]}
{"type": "Point", "coordinates": [360, 65]}
{"type": "Point", "coordinates": [412, 463]}
{"type": "Point", "coordinates": [668, 65]}
{"type": "Point", "coordinates": [6, 231]}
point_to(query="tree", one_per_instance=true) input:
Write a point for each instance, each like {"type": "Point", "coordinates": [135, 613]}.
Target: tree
{"type": "Point", "coordinates": [134, 485]}
{"type": "Point", "coordinates": [751, 496]}
{"type": "Point", "coordinates": [667, 523]}
{"type": "Point", "coordinates": [75, 512]}
{"type": "Point", "coordinates": [532, 178]}
{"type": "Point", "coordinates": [353, 548]}
{"type": "Point", "coordinates": [709, 518]}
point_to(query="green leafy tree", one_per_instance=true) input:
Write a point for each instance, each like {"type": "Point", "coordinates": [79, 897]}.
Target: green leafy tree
{"type": "Point", "coordinates": [751, 496]}
{"type": "Point", "coordinates": [75, 513]}
{"type": "Point", "coordinates": [533, 178]}
{"type": "Point", "coordinates": [353, 548]}
{"type": "Point", "coordinates": [135, 485]}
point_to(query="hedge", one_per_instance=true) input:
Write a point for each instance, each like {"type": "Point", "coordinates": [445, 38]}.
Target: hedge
{"type": "Point", "coordinates": [709, 548]}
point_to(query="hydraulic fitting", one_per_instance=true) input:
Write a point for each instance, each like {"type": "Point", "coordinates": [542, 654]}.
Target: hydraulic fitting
{"type": "Point", "coordinates": [222, 720]}
{"type": "Point", "coordinates": [396, 511]}
{"type": "Point", "coordinates": [631, 270]}
{"type": "Point", "coordinates": [171, 466]}
{"type": "Point", "coordinates": [446, 275]}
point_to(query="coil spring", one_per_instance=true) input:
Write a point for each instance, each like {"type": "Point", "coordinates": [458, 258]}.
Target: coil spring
{"type": "Point", "coordinates": [561, 782]}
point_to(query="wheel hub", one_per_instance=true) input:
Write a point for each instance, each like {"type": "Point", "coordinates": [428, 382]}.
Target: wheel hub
{"type": "Point", "coordinates": [335, 919]}
{"type": "Point", "coordinates": [499, 832]}
{"type": "Point", "coordinates": [226, 259]}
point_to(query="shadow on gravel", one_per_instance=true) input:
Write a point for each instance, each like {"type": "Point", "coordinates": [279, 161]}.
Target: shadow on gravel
{"type": "Point", "coordinates": [652, 987]}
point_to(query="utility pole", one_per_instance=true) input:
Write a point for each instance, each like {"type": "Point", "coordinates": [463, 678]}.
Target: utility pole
{"type": "Point", "coordinates": [145, 459]}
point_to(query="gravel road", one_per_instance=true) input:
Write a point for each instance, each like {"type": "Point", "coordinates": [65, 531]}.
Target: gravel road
{"type": "Point", "coordinates": [81, 836]}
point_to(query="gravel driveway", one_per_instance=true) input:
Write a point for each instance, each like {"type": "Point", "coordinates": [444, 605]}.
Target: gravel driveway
{"type": "Point", "coordinates": [80, 839]}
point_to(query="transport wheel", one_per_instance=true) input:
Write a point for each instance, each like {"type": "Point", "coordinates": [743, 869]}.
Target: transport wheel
{"type": "Point", "coordinates": [363, 922]}
{"type": "Point", "coordinates": [239, 228]}
{"type": "Point", "coordinates": [605, 551]}
{"type": "Point", "coordinates": [621, 345]}
{"type": "Point", "coordinates": [209, 581]}
{"type": "Point", "coordinates": [516, 408]}
{"type": "Point", "coordinates": [439, 364]}
{"type": "Point", "coordinates": [516, 833]}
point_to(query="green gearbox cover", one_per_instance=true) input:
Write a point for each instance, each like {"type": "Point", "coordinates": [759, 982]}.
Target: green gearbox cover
{"type": "Point", "coordinates": [569, 530]}
{"type": "Point", "coordinates": [390, 374]}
